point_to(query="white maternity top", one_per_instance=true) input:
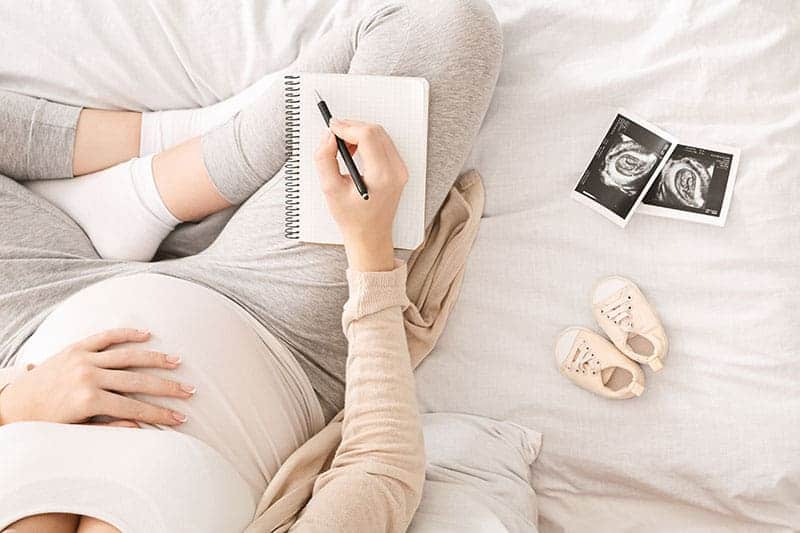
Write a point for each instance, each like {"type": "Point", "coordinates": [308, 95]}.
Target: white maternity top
{"type": "Point", "coordinates": [253, 407]}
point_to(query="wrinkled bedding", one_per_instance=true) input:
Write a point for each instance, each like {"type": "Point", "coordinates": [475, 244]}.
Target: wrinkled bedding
{"type": "Point", "coordinates": [714, 442]}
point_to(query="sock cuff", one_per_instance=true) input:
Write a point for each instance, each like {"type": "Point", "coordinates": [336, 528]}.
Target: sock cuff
{"type": "Point", "coordinates": [151, 139]}
{"type": "Point", "coordinates": [144, 183]}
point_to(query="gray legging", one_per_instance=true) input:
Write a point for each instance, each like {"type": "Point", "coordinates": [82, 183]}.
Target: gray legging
{"type": "Point", "coordinates": [296, 290]}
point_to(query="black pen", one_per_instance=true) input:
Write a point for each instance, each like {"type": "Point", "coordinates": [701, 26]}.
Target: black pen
{"type": "Point", "coordinates": [348, 159]}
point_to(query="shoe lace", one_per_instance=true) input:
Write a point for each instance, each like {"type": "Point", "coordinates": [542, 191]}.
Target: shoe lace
{"type": "Point", "coordinates": [619, 311]}
{"type": "Point", "coordinates": [584, 360]}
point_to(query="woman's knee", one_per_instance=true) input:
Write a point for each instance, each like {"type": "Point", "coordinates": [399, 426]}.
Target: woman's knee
{"type": "Point", "coordinates": [475, 17]}
{"type": "Point", "coordinates": [435, 40]}
{"type": "Point", "coordinates": [464, 35]}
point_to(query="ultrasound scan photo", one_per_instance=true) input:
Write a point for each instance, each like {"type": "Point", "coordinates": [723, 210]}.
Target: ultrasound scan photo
{"type": "Point", "coordinates": [684, 183]}
{"type": "Point", "coordinates": [626, 164]}
{"type": "Point", "coordinates": [629, 157]}
{"type": "Point", "coordinates": [695, 184]}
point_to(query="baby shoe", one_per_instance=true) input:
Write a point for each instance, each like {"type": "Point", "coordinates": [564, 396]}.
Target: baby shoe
{"type": "Point", "coordinates": [630, 322]}
{"type": "Point", "coordinates": [591, 362]}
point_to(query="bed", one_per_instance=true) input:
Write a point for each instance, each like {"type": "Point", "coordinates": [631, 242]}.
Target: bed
{"type": "Point", "coordinates": [714, 442]}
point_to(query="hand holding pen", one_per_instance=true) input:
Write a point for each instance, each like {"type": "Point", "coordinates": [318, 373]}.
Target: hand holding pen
{"type": "Point", "coordinates": [365, 226]}
{"type": "Point", "coordinates": [343, 151]}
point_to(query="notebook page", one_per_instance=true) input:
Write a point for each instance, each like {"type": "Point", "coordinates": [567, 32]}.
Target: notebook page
{"type": "Point", "coordinates": [400, 105]}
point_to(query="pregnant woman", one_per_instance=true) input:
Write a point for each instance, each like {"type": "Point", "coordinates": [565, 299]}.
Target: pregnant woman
{"type": "Point", "coordinates": [224, 362]}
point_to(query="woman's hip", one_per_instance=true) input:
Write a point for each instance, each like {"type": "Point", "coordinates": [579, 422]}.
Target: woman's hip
{"type": "Point", "coordinates": [139, 480]}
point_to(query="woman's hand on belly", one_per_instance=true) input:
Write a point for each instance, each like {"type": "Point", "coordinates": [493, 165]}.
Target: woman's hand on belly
{"type": "Point", "coordinates": [84, 381]}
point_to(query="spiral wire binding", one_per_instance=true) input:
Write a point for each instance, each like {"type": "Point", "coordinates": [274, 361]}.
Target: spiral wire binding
{"type": "Point", "coordinates": [291, 86]}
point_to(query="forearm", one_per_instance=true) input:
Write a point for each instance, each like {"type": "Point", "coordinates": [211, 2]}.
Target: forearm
{"type": "Point", "coordinates": [381, 419]}
{"type": "Point", "coordinates": [376, 477]}
{"type": "Point", "coordinates": [370, 253]}
{"type": "Point", "coordinates": [7, 376]}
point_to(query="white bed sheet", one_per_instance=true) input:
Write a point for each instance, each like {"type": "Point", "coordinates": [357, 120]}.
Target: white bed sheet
{"type": "Point", "coordinates": [714, 443]}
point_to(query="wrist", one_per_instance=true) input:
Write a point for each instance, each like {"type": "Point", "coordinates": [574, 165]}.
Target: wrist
{"type": "Point", "coordinates": [5, 416]}
{"type": "Point", "coordinates": [373, 253]}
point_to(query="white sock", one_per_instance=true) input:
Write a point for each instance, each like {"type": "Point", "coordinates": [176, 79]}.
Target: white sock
{"type": "Point", "coordinates": [165, 129]}
{"type": "Point", "coordinates": [119, 208]}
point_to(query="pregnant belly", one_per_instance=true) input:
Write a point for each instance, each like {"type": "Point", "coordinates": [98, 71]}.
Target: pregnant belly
{"type": "Point", "coordinates": [254, 405]}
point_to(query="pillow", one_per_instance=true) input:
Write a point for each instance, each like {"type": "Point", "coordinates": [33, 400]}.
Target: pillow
{"type": "Point", "coordinates": [478, 477]}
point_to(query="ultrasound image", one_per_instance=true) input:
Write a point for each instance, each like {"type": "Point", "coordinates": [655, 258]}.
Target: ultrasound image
{"type": "Point", "coordinates": [693, 180]}
{"type": "Point", "coordinates": [684, 183]}
{"type": "Point", "coordinates": [626, 164]}
{"type": "Point", "coordinates": [622, 166]}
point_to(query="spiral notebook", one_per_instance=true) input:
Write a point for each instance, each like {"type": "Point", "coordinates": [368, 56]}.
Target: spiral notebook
{"type": "Point", "coordinates": [398, 104]}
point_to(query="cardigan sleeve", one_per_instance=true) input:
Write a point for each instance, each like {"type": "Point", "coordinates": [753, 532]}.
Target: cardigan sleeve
{"type": "Point", "coordinates": [376, 477]}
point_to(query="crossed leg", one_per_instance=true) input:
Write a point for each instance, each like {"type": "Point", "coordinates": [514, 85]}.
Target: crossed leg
{"type": "Point", "coordinates": [297, 290]}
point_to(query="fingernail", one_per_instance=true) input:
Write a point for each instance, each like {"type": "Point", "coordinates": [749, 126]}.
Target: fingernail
{"type": "Point", "coordinates": [178, 416]}
{"type": "Point", "coordinates": [144, 331]}
{"type": "Point", "coordinates": [188, 388]}
{"type": "Point", "coordinates": [174, 358]}
{"type": "Point", "coordinates": [335, 122]}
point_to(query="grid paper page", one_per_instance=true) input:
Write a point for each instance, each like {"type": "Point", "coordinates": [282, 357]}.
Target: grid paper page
{"type": "Point", "coordinates": [400, 105]}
